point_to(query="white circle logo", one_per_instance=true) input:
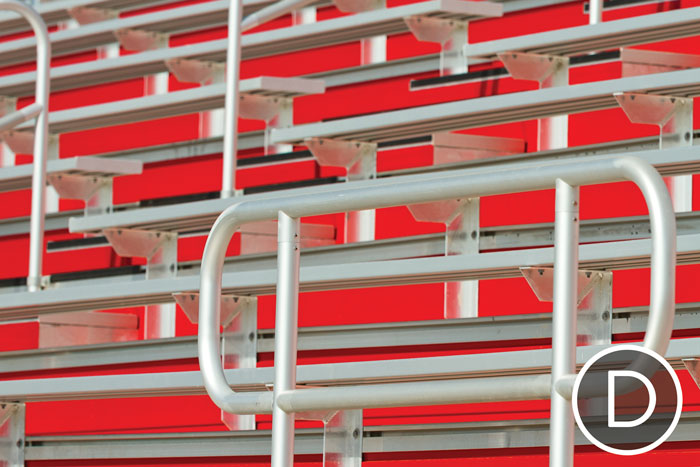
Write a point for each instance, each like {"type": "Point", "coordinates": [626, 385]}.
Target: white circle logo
{"type": "Point", "coordinates": [615, 380]}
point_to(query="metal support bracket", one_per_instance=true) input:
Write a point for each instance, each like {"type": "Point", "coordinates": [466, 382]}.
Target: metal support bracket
{"type": "Point", "coordinates": [342, 436]}
{"type": "Point", "coordinates": [137, 40]}
{"type": "Point", "coordinates": [95, 191]}
{"type": "Point", "coordinates": [674, 117]}
{"type": "Point", "coordinates": [7, 155]}
{"type": "Point", "coordinates": [451, 34]}
{"type": "Point", "coordinates": [454, 147]}
{"type": "Point", "coordinates": [693, 367]}
{"type": "Point", "coordinates": [86, 328]}
{"type": "Point", "coordinates": [189, 302]}
{"type": "Point", "coordinates": [22, 142]}
{"type": "Point", "coordinates": [160, 250]}
{"type": "Point", "coordinates": [202, 72]}
{"type": "Point", "coordinates": [358, 6]}
{"type": "Point", "coordinates": [461, 219]}
{"type": "Point", "coordinates": [360, 160]}
{"type": "Point", "coordinates": [636, 62]}
{"type": "Point", "coordinates": [12, 435]}
{"type": "Point", "coordinates": [594, 299]}
{"type": "Point", "coordinates": [549, 71]}
{"type": "Point", "coordinates": [275, 111]}
{"type": "Point", "coordinates": [239, 341]}
{"type": "Point", "coordinates": [87, 15]}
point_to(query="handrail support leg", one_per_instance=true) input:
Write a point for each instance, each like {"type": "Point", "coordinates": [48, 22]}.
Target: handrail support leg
{"type": "Point", "coordinates": [566, 238]}
{"type": "Point", "coordinates": [285, 336]}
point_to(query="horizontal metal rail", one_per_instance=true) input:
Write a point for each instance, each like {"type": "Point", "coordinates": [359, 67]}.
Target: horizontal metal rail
{"type": "Point", "coordinates": [19, 177]}
{"type": "Point", "coordinates": [277, 41]}
{"type": "Point", "coordinates": [385, 336]}
{"type": "Point", "coordinates": [657, 27]}
{"type": "Point", "coordinates": [492, 110]}
{"type": "Point", "coordinates": [184, 383]}
{"type": "Point", "coordinates": [201, 215]}
{"type": "Point", "coordinates": [171, 104]}
{"type": "Point", "coordinates": [506, 434]}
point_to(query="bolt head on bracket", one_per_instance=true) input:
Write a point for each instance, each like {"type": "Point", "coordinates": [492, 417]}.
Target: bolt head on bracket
{"type": "Point", "coordinates": [649, 109]}
{"type": "Point", "coordinates": [138, 40]}
{"type": "Point", "coordinates": [429, 29]}
{"type": "Point", "coordinates": [532, 67]}
{"type": "Point", "coordinates": [137, 243]}
{"type": "Point", "coordinates": [541, 281]}
{"type": "Point", "coordinates": [88, 15]}
{"type": "Point", "coordinates": [339, 153]}
{"type": "Point", "coordinates": [230, 306]}
{"type": "Point", "coordinates": [195, 71]}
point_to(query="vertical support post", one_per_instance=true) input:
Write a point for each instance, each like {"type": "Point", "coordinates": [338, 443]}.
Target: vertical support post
{"type": "Point", "coordinates": [595, 311]}
{"type": "Point", "coordinates": [674, 117]}
{"type": "Point", "coordinates": [566, 238]}
{"type": "Point", "coordinates": [462, 237]}
{"type": "Point", "coordinates": [342, 439]}
{"type": "Point", "coordinates": [285, 337]}
{"type": "Point", "coordinates": [451, 34]}
{"type": "Point", "coordinates": [595, 11]}
{"type": "Point", "coordinates": [239, 343]}
{"type": "Point", "coordinates": [549, 71]}
{"type": "Point", "coordinates": [360, 225]}
{"type": "Point", "coordinates": [360, 161]}
{"type": "Point", "coordinates": [12, 434]}
{"type": "Point", "coordinates": [233, 62]}
{"type": "Point", "coordinates": [160, 319]}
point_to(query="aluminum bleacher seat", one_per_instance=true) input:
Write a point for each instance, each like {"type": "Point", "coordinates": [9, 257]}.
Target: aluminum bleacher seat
{"type": "Point", "coordinates": [607, 245]}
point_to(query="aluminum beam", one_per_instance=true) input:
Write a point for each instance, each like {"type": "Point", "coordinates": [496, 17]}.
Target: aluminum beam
{"type": "Point", "coordinates": [277, 41]}
{"type": "Point", "coordinates": [493, 110]}
{"type": "Point", "coordinates": [616, 255]}
{"type": "Point", "coordinates": [175, 103]}
{"type": "Point", "coordinates": [598, 37]}
{"type": "Point", "coordinates": [19, 177]}
{"type": "Point", "coordinates": [376, 439]}
{"type": "Point", "coordinates": [406, 334]}
{"type": "Point", "coordinates": [201, 215]}
{"type": "Point", "coordinates": [524, 362]}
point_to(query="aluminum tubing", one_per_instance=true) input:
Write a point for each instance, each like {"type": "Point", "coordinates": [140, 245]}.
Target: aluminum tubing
{"type": "Point", "coordinates": [41, 139]}
{"type": "Point", "coordinates": [271, 12]}
{"type": "Point", "coordinates": [421, 189]}
{"type": "Point", "coordinates": [286, 330]}
{"type": "Point", "coordinates": [10, 121]}
{"type": "Point", "coordinates": [423, 393]}
{"type": "Point", "coordinates": [231, 108]}
{"type": "Point", "coordinates": [566, 240]}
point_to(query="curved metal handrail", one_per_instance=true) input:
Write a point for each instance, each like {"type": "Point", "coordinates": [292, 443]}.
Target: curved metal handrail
{"type": "Point", "coordinates": [40, 109]}
{"type": "Point", "coordinates": [422, 189]}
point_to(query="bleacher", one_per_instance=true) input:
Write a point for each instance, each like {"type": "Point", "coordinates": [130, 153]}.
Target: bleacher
{"type": "Point", "coordinates": [379, 281]}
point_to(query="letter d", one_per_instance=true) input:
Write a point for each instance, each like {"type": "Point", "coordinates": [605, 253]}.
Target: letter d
{"type": "Point", "coordinates": [612, 374]}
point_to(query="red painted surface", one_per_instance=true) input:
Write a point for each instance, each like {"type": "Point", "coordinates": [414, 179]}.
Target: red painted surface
{"type": "Point", "coordinates": [203, 174]}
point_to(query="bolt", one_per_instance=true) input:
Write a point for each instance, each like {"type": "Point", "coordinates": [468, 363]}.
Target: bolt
{"type": "Point", "coordinates": [687, 136]}
{"type": "Point", "coordinates": [474, 234]}
{"type": "Point", "coordinates": [20, 443]}
{"type": "Point", "coordinates": [605, 315]}
{"type": "Point", "coordinates": [355, 433]}
{"type": "Point", "coordinates": [251, 336]}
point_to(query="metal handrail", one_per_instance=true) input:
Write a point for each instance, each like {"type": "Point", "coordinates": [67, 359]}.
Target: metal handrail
{"type": "Point", "coordinates": [40, 109]}
{"type": "Point", "coordinates": [565, 175]}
